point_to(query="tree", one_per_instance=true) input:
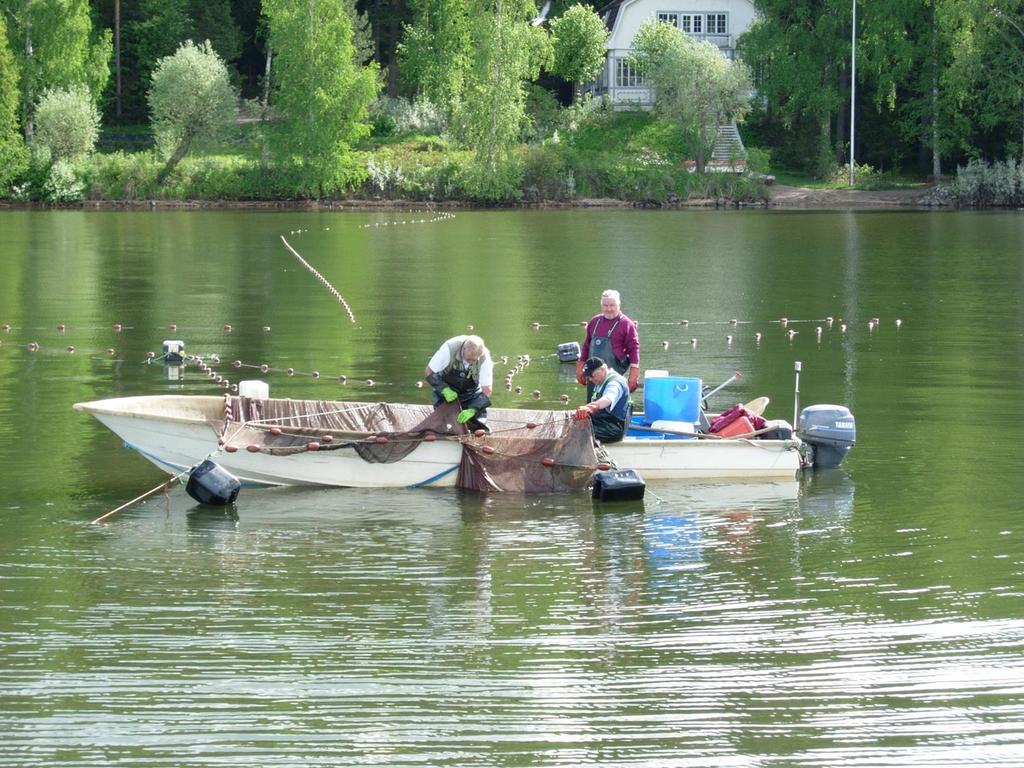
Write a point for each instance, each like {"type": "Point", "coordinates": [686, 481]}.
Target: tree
{"type": "Point", "coordinates": [67, 122]}
{"type": "Point", "coordinates": [435, 52]}
{"type": "Point", "coordinates": [506, 52]}
{"type": "Point", "coordinates": [13, 156]}
{"type": "Point", "coordinates": [578, 40]}
{"type": "Point", "coordinates": [191, 98]}
{"type": "Point", "coordinates": [212, 20]}
{"type": "Point", "coordinates": [151, 30]}
{"type": "Point", "coordinates": [695, 86]}
{"type": "Point", "coordinates": [57, 47]}
{"type": "Point", "coordinates": [321, 94]}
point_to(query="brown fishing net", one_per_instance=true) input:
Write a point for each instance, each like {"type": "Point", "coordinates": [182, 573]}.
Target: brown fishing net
{"type": "Point", "coordinates": [525, 451]}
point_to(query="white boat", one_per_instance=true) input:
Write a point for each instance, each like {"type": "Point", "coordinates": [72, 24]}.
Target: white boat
{"type": "Point", "coordinates": [177, 432]}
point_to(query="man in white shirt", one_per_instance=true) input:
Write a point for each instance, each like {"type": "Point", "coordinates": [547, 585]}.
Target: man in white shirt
{"type": "Point", "coordinates": [462, 370]}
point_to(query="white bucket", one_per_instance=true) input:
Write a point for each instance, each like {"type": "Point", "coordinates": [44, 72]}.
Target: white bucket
{"type": "Point", "coordinates": [254, 389]}
{"type": "Point", "coordinates": [652, 373]}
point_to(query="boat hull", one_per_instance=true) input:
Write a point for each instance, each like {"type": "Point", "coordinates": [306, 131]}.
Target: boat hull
{"type": "Point", "coordinates": [175, 433]}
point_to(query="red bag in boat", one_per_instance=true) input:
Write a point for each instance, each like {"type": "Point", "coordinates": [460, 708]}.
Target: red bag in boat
{"type": "Point", "coordinates": [725, 419]}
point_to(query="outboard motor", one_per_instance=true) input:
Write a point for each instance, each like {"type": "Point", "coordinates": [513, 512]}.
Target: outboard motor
{"type": "Point", "coordinates": [830, 430]}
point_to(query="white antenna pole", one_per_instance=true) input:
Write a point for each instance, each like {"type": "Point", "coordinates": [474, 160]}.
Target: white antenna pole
{"type": "Point", "coordinates": [853, 86]}
{"type": "Point", "coordinates": [796, 395]}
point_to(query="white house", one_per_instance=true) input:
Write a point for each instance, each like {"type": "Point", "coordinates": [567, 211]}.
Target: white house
{"type": "Point", "coordinates": [718, 21]}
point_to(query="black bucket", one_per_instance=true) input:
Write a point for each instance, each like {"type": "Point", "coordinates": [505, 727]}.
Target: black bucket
{"type": "Point", "coordinates": [210, 483]}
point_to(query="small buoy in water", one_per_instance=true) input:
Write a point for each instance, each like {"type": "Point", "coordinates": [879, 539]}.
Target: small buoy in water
{"type": "Point", "coordinates": [518, 390]}
{"type": "Point", "coordinates": [564, 398]}
{"type": "Point", "coordinates": [151, 355]}
{"type": "Point", "coordinates": [504, 359]}
{"type": "Point", "coordinates": [536, 394]}
{"type": "Point", "coordinates": [874, 320]}
{"type": "Point", "coordinates": [728, 338]}
{"type": "Point", "coordinates": [898, 322]}
{"type": "Point", "coordinates": [290, 371]}
{"type": "Point", "coordinates": [6, 327]}
{"type": "Point", "coordinates": [684, 322]}
{"type": "Point", "coordinates": [315, 374]}
{"type": "Point", "coordinates": [266, 329]}
{"type": "Point", "coordinates": [226, 384]}
{"type": "Point", "coordinates": [172, 327]}
{"type": "Point", "coordinates": [117, 327]}
{"type": "Point", "coordinates": [548, 462]}
{"type": "Point", "coordinates": [842, 328]}
{"type": "Point", "coordinates": [214, 358]}
{"type": "Point", "coordinates": [61, 327]}
{"type": "Point", "coordinates": [817, 330]}
{"type": "Point", "coordinates": [757, 337]}
{"type": "Point", "coordinates": [791, 333]}
{"type": "Point", "coordinates": [783, 321]}
{"type": "Point", "coordinates": [342, 379]}
{"type": "Point", "coordinates": [313, 445]}
{"type": "Point", "coordinates": [693, 342]}
{"type": "Point", "coordinates": [110, 350]}
{"type": "Point", "coordinates": [829, 319]}
{"type": "Point", "coordinates": [535, 325]}
{"type": "Point", "coordinates": [234, 388]}
{"type": "Point", "coordinates": [71, 348]}
{"type": "Point", "coordinates": [264, 368]}
{"type": "Point", "coordinates": [871, 325]}
{"type": "Point", "coordinates": [369, 382]}
{"type": "Point", "coordinates": [734, 321]}
{"type": "Point", "coordinates": [227, 328]}
{"type": "Point", "coordinates": [664, 344]}
{"type": "Point", "coordinates": [419, 385]}
{"type": "Point", "coordinates": [236, 364]}
{"type": "Point", "coordinates": [469, 327]}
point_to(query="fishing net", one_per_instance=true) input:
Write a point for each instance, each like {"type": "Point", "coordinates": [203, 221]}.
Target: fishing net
{"type": "Point", "coordinates": [526, 451]}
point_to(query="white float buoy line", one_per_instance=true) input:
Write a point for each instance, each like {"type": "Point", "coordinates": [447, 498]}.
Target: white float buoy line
{"type": "Point", "coordinates": [323, 280]}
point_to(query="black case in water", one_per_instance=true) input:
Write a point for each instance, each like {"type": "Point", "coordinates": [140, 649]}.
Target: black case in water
{"type": "Point", "coordinates": [210, 483]}
{"type": "Point", "coordinates": [618, 485]}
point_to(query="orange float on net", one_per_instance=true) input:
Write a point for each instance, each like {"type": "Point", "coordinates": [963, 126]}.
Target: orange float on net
{"type": "Point", "coordinates": [230, 448]}
{"type": "Point", "coordinates": [488, 449]}
{"type": "Point", "coordinates": [275, 431]}
{"type": "Point", "coordinates": [313, 446]}
{"type": "Point", "coordinates": [604, 465]}
{"type": "Point", "coordinates": [380, 440]}
{"type": "Point", "coordinates": [531, 425]}
{"type": "Point", "coordinates": [328, 438]}
{"type": "Point", "coordinates": [548, 462]}
{"type": "Point", "coordinates": [429, 437]}
{"type": "Point", "coordinates": [252, 448]}
{"type": "Point", "coordinates": [479, 432]}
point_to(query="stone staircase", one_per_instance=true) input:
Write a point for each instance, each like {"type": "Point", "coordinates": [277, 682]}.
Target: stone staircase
{"type": "Point", "coordinates": [728, 145]}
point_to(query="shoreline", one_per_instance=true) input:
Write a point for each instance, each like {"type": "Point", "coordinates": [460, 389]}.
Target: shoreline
{"type": "Point", "coordinates": [782, 197]}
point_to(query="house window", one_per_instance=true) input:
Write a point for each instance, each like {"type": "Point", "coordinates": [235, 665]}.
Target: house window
{"type": "Point", "coordinates": [626, 76]}
{"type": "Point", "coordinates": [692, 24]}
{"type": "Point", "coordinates": [716, 24]}
{"type": "Point", "coordinates": [668, 18]}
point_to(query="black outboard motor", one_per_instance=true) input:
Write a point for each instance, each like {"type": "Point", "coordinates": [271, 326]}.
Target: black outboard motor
{"type": "Point", "coordinates": [830, 430]}
{"type": "Point", "coordinates": [210, 483]}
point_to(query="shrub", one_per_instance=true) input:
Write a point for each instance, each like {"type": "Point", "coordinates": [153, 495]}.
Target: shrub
{"type": "Point", "coordinates": [67, 122]}
{"type": "Point", "coordinates": [979, 183]}
{"type": "Point", "coordinates": [62, 184]}
{"type": "Point", "coordinates": [759, 160]}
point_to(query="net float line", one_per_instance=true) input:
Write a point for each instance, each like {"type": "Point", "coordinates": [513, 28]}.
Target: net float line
{"type": "Point", "coordinates": [324, 281]}
{"type": "Point", "coordinates": [522, 362]}
{"type": "Point", "coordinates": [443, 216]}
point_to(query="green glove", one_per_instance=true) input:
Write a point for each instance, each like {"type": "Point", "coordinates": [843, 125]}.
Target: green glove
{"type": "Point", "coordinates": [465, 415]}
{"type": "Point", "coordinates": [449, 394]}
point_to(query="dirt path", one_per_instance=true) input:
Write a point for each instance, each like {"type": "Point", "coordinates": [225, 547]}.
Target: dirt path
{"type": "Point", "coordinates": [783, 196]}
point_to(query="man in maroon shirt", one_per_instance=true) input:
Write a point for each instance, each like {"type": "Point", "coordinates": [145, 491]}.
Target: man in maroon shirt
{"type": "Point", "coordinates": [613, 337]}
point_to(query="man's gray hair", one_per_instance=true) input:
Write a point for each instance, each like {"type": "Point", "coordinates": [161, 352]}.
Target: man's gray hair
{"type": "Point", "coordinates": [612, 294]}
{"type": "Point", "coordinates": [474, 345]}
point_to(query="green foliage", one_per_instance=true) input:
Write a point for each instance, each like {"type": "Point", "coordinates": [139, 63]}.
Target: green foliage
{"type": "Point", "coordinates": [695, 86]}
{"type": "Point", "coordinates": [435, 51]}
{"type": "Point", "coordinates": [981, 183]}
{"type": "Point", "coordinates": [578, 39]}
{"type": "Point", "coordinates": [191, 98]}
{"type": "Point", "coordinates": [322, 96]}
{"type": "Point", "coordinates": [212, 20]}
{"type": "Point", "coordinates": [61, 184]}
{"type": "Point", "coordinates": [759, 160]}
{"type": "Point", "coordinates": [67, 122]}
{"type": "Point", "coordinates": [13, 155]}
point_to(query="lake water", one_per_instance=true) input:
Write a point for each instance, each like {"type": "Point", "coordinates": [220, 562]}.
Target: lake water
{"type": "Point", "coordinates": [872, 616]}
